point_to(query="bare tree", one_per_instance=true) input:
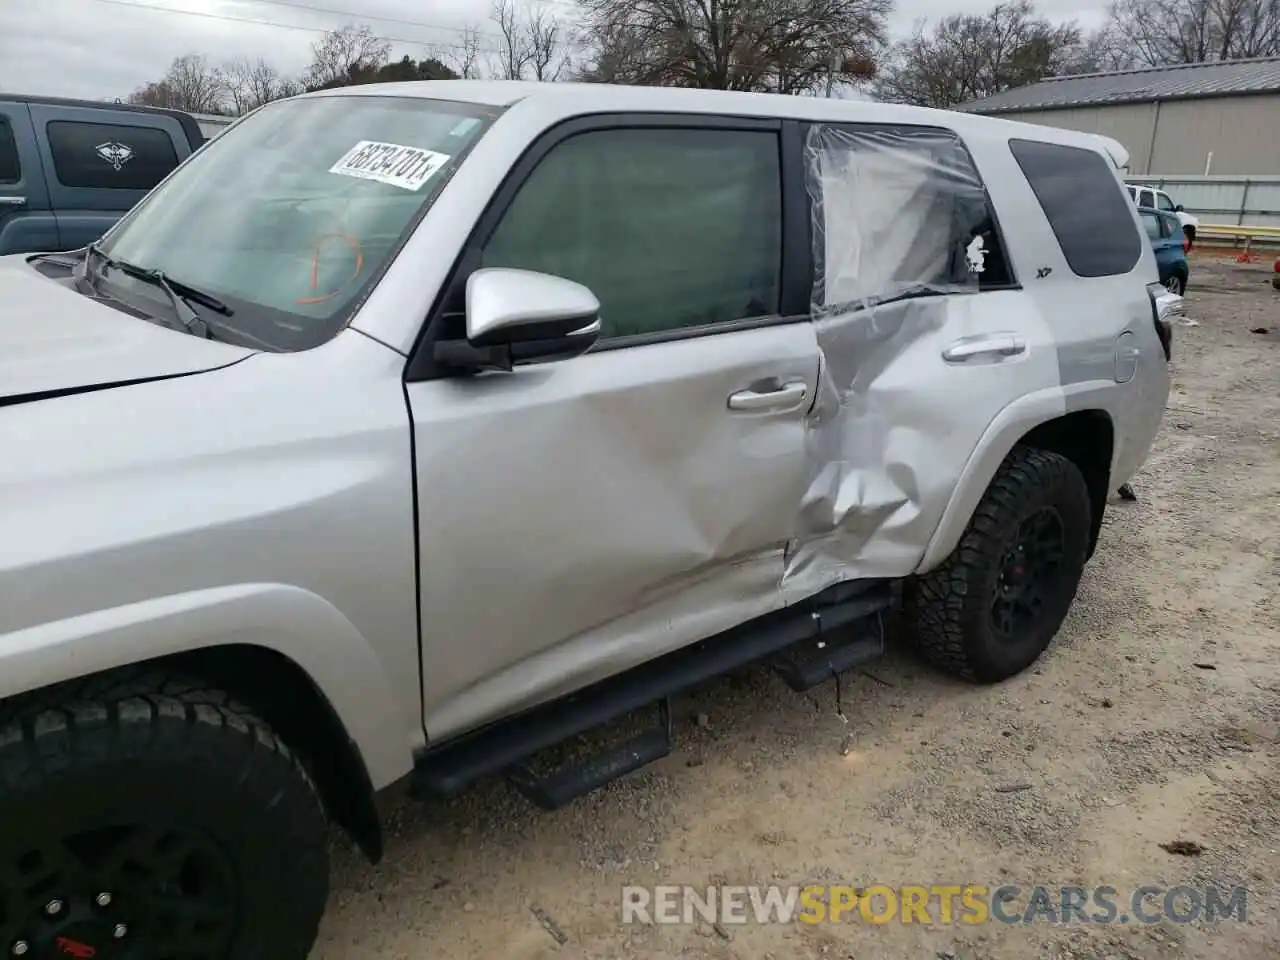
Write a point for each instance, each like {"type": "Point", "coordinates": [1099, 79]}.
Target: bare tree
{"type": "Point", "coordinates": [465, 59]}
{"type": "Point", "coordinates": [513, 47]}
{"type": "Point", "coordinates": [786, 46]}
{"type": "Point", "coordinates": [1193, 31]}
{"type": "Point", "coordinates": [968, 56]}
{"type": "Point", "coordinates": [1101, 51]}
{"type": "Point", "coordinates": [191, 83]}
{"type": "Point", "coordinates": [252, 83]}
{"type": "Point", "coordinates": [335, 55]}
{"type": "Point", "coordinates": [548, 42]}
{"type": "Point", "coordinates": [532, 41]}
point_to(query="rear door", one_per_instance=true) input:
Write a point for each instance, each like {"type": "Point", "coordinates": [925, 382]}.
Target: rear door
{"type": "Point", "coordinates": [101, 162]}
{"type": "Point", "coordinates": [26, 225]}
{"type": "Point", "coordinates": [579, 517]}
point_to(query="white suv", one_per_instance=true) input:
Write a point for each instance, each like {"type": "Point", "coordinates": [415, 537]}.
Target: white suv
{"type": "Point", "coordinates": [1146, 196]}
{"type": "Point", "coordinates": [411, 430]}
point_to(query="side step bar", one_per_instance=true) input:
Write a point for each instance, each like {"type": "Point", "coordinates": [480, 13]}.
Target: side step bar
{"type": "Point", "coordinates": [812, 662]}
{"type": "Point", "coordinates": [554, 790]}
{"type": "Point", "coordinates": [501, 747]}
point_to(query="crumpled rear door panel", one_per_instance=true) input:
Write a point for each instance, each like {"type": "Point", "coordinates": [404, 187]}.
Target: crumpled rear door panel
{"type": "Point", "coordinates": [907, 386]}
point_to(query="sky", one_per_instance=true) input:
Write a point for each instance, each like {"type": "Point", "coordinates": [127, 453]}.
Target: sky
{"type": "Point", "coordinates": [107, 48]}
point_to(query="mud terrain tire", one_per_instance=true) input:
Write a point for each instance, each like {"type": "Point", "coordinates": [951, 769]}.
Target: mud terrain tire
{"type": "Point", "coordinates": [158, 817]}
{"type": "Point", "coordinates": [994, 605]}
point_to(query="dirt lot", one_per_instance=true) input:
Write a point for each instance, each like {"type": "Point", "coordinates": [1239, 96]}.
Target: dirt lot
{"type": "Point", "coordinates": [1155, 718]}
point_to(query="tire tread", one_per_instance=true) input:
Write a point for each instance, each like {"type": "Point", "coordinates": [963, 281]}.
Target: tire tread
{"type": "Point", "coordinates": [937, 600]}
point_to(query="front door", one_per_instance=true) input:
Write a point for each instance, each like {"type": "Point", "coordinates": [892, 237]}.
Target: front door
{"type": "Point", "coordinates": [26, 225]}
{"type": "Point", "coordinates": [579, 517]}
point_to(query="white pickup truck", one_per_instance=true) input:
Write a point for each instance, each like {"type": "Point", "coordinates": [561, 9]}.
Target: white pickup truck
{"type": "Point", "coordinates": [1148, 196]}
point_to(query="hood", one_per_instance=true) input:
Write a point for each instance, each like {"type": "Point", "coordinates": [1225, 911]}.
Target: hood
{"type": "Point", "coordinates": [54, 340]}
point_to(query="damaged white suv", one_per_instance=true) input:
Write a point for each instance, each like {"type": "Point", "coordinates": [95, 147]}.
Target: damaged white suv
{"type": "Point", "coordinates": [411, 430]}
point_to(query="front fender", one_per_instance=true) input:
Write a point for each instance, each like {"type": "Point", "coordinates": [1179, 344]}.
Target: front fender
{"type": "Point", "coordinates": [293, 622]}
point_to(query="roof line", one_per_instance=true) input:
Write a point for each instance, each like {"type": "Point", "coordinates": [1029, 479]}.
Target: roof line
{"type": "Point", "coordinates": [1165, 69]}
{"type": "Point", "coordinates": [1117, 100]}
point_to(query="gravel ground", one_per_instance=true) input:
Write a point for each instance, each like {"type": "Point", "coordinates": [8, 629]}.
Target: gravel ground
{"type": "Point", "coordinates": [1153, 719]}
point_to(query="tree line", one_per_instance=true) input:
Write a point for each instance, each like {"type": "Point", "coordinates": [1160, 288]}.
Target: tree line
{"type": "Point", "coordinates": [802, 47]}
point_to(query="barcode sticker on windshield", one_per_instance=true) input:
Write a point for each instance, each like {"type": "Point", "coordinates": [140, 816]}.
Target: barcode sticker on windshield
{"type": "Point", "coordinates": [392, 163]}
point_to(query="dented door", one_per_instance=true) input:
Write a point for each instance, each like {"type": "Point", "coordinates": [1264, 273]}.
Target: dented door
{"type": "Point", "coordinates": [924, 339]}
{"type": "Point", "coordinates": [580, 517]}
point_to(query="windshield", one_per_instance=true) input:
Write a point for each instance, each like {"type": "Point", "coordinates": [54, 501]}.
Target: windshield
{"type": "Point", "coordinates": [289, 216]}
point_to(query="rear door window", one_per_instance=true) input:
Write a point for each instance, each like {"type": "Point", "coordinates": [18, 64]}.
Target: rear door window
{"type": "Point", "coordinates": [10, 167]}
{"type": "Point", "coordinates": [1084, 204]}
{"type": "Point", "coordinates": [104, 156]}
{"type": "Point", "coordinates": [898, 211]}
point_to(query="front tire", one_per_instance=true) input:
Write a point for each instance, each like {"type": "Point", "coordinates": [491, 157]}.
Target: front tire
{"type": "Point", "coordinates": [993, 606]}
{"type": "Point", "coordinates": [153, 821]}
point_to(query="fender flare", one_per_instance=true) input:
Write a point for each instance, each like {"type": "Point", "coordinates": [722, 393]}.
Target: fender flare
{"type": "Point", "coordinates": [1003, 433]}
{"type": "Point", "coordinates": [290, 621]}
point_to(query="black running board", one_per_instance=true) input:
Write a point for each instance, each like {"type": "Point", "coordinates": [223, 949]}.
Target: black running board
{"type": "Point", "coordinates": [812, 662]}
{"type": "Point", "coordinates": [501, 747]}
{"type": "Point", "coordinates": [553, 790]}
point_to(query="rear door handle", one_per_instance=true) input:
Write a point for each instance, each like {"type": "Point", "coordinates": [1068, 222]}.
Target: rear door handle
{"type": "Point", "coordinates": [997, 346]}
{"type": "Point", "coordinates": [786, 397]}
{"type": "Point", "coordinates": [13, 201]}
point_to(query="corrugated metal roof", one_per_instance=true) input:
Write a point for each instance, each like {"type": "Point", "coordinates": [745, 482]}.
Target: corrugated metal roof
{"type": "Point", "coordinates": [1183, 82]}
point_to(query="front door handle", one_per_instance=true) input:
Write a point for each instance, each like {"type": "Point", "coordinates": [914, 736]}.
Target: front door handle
{"type": "Point", "coordinates": [13, 201]}
{"type": "Point", "coordinates": [785, 397]}
{"type": "Point", "coordinates": [1006, 345]}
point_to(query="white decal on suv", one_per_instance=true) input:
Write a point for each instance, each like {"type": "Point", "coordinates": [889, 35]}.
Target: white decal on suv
{"type": "Point", "coordinates": [116, 154]}
{"type": "Point", "coordinates": [975, 255]}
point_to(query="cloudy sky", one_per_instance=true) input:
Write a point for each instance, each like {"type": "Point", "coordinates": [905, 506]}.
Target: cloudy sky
{"type": "Point", "coordinates": [106, 48]}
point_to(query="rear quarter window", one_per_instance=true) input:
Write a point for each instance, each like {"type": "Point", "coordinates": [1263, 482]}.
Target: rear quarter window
{"type": "Point", "coordinates": [10, 168]}
{"type": "Point", "coordinates": [1084, 204]}
{"type": "Point", "coordinates": [105, 156]}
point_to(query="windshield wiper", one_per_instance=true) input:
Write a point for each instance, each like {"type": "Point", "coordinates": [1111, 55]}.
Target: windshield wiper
{"type": "Point", "coordinates": [180, 294]}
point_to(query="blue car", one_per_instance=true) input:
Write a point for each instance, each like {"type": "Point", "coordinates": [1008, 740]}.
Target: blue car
{"type": "Point", "coordinates": [1170, 246]}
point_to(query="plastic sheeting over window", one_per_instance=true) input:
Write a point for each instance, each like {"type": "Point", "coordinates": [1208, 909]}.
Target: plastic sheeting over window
{"type": "Point", "coordinates": [897, 212]}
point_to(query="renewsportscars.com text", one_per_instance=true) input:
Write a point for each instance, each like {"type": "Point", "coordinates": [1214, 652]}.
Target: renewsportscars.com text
{"type": "Point", "coordinates": [932, 904]}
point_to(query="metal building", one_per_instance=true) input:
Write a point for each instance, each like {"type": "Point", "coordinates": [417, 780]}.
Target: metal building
{"type": "Point", "coordinates": [212, 124]}
{"type": "Point", "coordinates": [1220, 119]}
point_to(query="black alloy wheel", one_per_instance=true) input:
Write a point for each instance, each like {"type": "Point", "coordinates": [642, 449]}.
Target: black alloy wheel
{"type": "Point", "coordinates": [1029, 575]}
{"type": "Point", "coordinates": [119, 892]}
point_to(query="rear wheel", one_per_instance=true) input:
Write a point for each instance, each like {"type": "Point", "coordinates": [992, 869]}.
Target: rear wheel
{"type": "Point", "coordinates": [992, 607]}
{"type": "Point", "coordinates": [1176, 283]}
{"type": "Point", "coordinates": [1190, 233]}
{"type": "Point", "coordinates": [161, 823]}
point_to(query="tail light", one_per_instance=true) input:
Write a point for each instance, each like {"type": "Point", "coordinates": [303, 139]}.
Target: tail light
{"type": "Point", "coordinates": [1186, 243]}
{"type": "Point", "coordinates": [1165, 306]}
